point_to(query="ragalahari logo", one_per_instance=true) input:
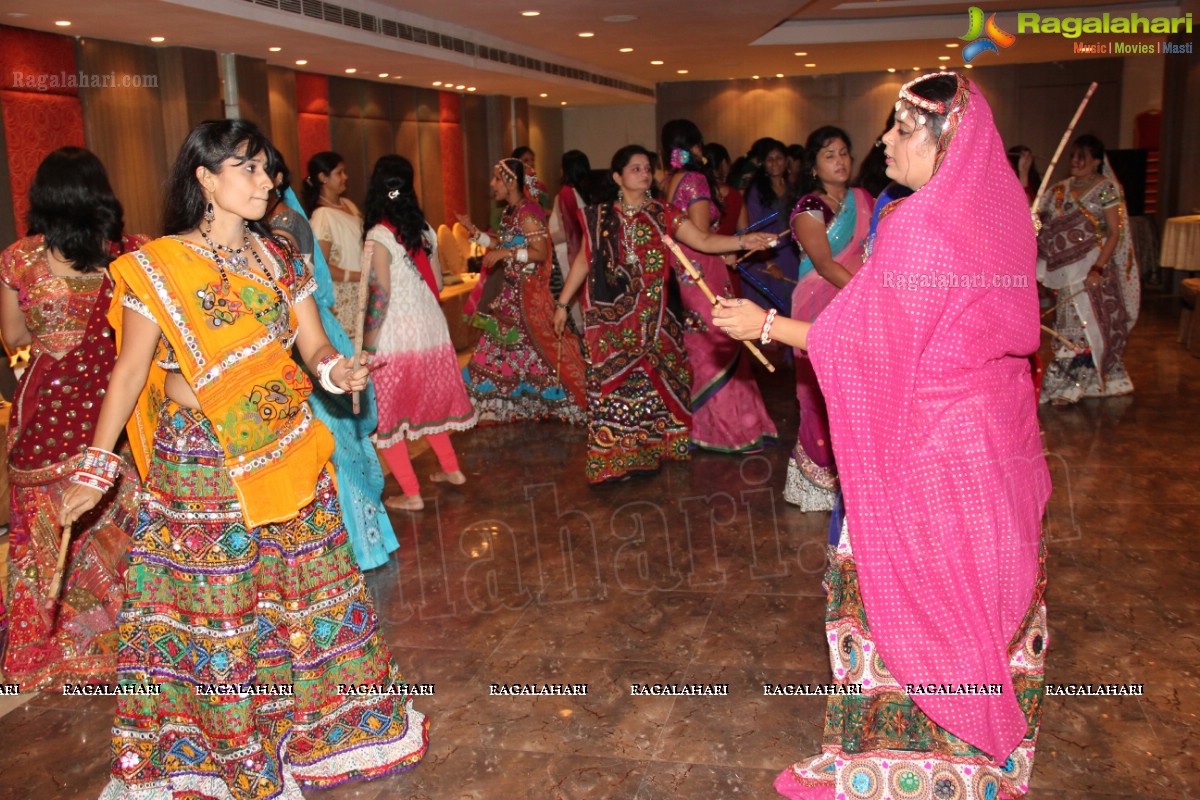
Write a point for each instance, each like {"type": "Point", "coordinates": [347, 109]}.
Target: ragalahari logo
{"type": "Point", "coordinates": [983, 37]}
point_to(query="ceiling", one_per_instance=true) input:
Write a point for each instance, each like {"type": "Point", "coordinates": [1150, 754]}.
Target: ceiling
{"type": "Point", "coordinates": [696, 41]}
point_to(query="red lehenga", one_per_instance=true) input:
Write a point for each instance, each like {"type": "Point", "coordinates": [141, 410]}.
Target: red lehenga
{"type": "Point", "coordinates": [57, 404]}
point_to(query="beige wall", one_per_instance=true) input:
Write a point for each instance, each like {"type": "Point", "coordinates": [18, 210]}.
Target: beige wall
{"type": "Point", "coordinates": [602, 131]}
{"type": "Point", "coordinates": [546, 139]}
{"type": "Point", "coordinates": [1141, 90]}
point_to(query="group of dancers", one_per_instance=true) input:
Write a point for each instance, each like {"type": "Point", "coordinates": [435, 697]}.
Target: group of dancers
{"type": "Point", "coordinates": [222, 350]}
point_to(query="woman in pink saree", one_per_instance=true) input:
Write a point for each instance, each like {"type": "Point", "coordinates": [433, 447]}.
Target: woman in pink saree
{"type": "Point", "coordinates": [830, 223]}
{"type": "Point", "coordinates": [728, 414]}
{"type": "Point", "coordinates": [935, 621]}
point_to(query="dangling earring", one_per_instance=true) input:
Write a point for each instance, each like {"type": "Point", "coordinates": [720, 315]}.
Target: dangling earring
{"type": "Point", "coordinates": [649, 196]}
{"type": "Point", "coordinates": [210, 214]}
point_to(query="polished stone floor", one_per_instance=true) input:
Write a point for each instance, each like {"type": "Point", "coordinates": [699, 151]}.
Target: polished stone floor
{"type": "Point", "coordinates": [701, 574]}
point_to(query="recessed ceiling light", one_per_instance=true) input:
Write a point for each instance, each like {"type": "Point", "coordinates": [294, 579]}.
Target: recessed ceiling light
{"type": "Point", "coordinates": [563, 103]}
{"type": "Point", "coordinates": [351, 70]}
{"type": "Point", "coordinates": [531, 13]}
{"type": "Point", "coordinates": [383, 74]}
{"type": "Point", "coordinates": [586, 35]}
{"type": "Point", "coordinates": [942, 67]}
{"type": "Point", "coordinates": [780, 74]}
{"type": "Point", "coordinates": [952, 44]}
{"type": "Point", "coordinates": [397, 77]}
{"type": "Point", "coordinates": [943, 58]}
{"type": "Point", "coordinates": [916, 69]}
{"type": "Point", "coordinates": [626, 50]}
{"type": "Point", "coordinates": [810, 65]}
{"type": "Point", "coordinates": [620, 18]}
{"type": "Point", "coordinates": [437, 83]}
{"type": "Point", "coordinates": [62, 23]}
{"type": "Point", "coordinates": [891, 69]}
{"type": "Point", "coordinates": [969, 66]}
{"type": "Point", "coordinates": [543, 94]}
{"type": "Point", "coordinates": [755, 77]}
{"type": "Point", "coordinates": [461, 86]}
{"type": "Point", "coordinates": [656, 62]}
{"type": "Point", "coordinates": [682, 71]}
{"type": "Point", "coordinates": [800, 54]}
{"type": "Point", "coordinates": [274, 49]}
{"type": "Point", "coordinates": [470, 88]}
{"type": "Point", "coordinates": [158, 39]}
{"type": "Point", "coordinates": [300, 62]}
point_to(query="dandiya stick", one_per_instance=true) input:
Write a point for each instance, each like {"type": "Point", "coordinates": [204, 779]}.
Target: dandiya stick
{"type": "Point", "coordinates": [64, 546]}
{"type": "Point", "coordinates": [712, 298]}
{"type": "Point", "coordinates": [757, 223]}
{"type": "Point", "coordinates": [1062, 303]}
{"type": "Point", "coordinates": [360, 319]}
{"type": "Point", "coordinates": [1060, 337]}
{"type": "Point", "coordinates": [1062, 143]}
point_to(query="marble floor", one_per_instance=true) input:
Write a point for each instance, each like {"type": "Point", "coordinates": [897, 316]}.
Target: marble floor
{"type": "Point", "coordinates": [703, 574]}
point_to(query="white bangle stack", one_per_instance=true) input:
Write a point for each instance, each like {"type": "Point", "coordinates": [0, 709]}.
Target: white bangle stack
{"type": "Point", "coordinates": [522, 255]}
{"type": "Point", "coordinates": [324, 367]}
{"type": "Point", "coordinates": [483, 240]}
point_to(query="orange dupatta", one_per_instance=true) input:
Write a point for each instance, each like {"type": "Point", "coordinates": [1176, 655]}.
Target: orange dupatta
{"type": "Point", "coordinates": [244, 377]}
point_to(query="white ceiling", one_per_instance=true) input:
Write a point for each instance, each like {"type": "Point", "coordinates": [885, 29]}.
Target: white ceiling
{"type": "Point", "coordinates": [711, 40]}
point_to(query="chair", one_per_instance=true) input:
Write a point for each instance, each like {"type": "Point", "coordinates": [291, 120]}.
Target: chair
{"type": "Point", "coordinates": [463, 237]}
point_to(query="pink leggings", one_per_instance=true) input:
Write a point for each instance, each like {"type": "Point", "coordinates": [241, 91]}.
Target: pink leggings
{"type": "Point", "coordinates": [399, 463]}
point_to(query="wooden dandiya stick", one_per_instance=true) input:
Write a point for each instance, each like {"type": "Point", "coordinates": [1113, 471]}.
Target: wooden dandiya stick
{"type": "Point", "coordinates": [1062, 143]}
{"type": "Point", "coordinates": [64, 546]}
{"type": "Point", "coordinates": [695, 275]}
{"type": "Point", "coordinates": [1061, 338]}
{"type": "Point", "coordinates": [1062, 302]}
{"type": "Point", "coordinates": [360, 320]}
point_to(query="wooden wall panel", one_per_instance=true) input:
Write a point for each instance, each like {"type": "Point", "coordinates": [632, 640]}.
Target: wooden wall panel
{"type": "Point", "coordinates": [347, 139]}
{"type": "Point", "coordinates": [378, 140]}
{"type": "Point", "coordinates": [520, 123]}
{"type": "Point", "coordinates": [124, 127]}
{"type": "Point", "coordinates": [281, 86]}
{"type": "Point", "coordinates": [189, 90]}
{"type": "Point", "coordinates": [478, 164]}
{"type": "Point", "coordinates": [1031, 104]}
{"type": "Point", "coordinates": [428, 162]}
{"type": "Point", "coordinates": [546, 139]}
{"type": "Point", "coordinates": [254, 92]}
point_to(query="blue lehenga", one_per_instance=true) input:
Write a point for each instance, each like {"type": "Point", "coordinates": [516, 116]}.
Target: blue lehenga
{"type": "Point", "coordinates": [359, 475]}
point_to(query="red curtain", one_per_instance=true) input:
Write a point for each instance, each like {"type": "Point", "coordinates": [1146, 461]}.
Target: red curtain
{"type": "Point", "coordinates": [41, 105]}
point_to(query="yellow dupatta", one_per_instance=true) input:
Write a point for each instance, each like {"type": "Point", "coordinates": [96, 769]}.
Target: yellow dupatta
{"type": "Point", "coordinates": [246, 381]}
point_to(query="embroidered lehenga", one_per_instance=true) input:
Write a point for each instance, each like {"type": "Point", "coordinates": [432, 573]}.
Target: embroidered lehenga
{"type": "Point", "coordinates": [728, 414]}
{"type": "Point", "coordinates": [1097, 322]}
{"type": "Point", "coordinates": [51, 423]}
{"type": "Point", "coordinates": [935, 620]}
{"type": "Point", "coordinates": [520, 369]}
{"type": "Point", "coordinates": [638, 377]}
{"type": "Point", "coordinates": [812, 475]}
{"type": "Point", "coordinates": [241, 571]}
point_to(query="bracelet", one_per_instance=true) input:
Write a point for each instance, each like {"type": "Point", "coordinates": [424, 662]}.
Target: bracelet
{"type": "Point", "coordinates": [563, 306]}
{"type": "Point", "coordinates": [482, 239]}
{"type": "Point", "coordinates": [765, 336]}
{"type": "Point", "coordinates": [103, 463]}
{"type": "Point", "coordinates": [324, 367]}
{"type": "Point", "coordinates": [741, 240]}
{"type": "Point", "coordinates": [81, 478]}
{"type": "Point", "coordinates": [522, 255]}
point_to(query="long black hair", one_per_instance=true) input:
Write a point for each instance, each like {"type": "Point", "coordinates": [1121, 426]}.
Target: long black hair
{"type": "Point", "coordinates": [817, 141]}
{"type": "Point", "coordinates": [392, 200]}
{"type": "Point", "coordinates": [577, 173]}
{"type": "Point", "coordinates": [683, 134]}
{"type": "Point", "coordinates": [208, 145]}
{"type": "Point", "coordinates": [1014, 159]}
{"type": "Point", "coordinates": [322, 163]}
{"type": "Point", "coordinates": [73, 206]}
{"type": "Point", "coordinates": [761, 182]}
{"type": "Point", "coordinates": [872, 170]}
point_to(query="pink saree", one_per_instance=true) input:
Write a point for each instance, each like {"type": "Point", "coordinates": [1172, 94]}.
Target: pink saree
{"type": "Point", "coordinates": [936, 581]}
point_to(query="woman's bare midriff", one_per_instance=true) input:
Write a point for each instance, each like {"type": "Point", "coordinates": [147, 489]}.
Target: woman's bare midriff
{"type": "Point", "coordinates": [178, 390]}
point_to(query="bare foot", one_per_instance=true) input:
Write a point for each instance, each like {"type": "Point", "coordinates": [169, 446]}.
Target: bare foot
{"type": "Point", "coordinates": [456, 478]}
{"type": "Point", "coordinates": [404, 503]}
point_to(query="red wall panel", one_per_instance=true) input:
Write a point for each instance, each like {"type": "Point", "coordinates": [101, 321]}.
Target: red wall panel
{"type": "Point", "coordinates": [454, 182]}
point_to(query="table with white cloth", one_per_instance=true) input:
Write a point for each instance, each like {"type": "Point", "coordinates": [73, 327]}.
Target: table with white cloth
{"type": "Point", "coordinates": [1181, 244]}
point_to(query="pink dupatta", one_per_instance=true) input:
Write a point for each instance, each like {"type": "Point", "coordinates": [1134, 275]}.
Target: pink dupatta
{"type": "Point", "coordinates": [923, 361]}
